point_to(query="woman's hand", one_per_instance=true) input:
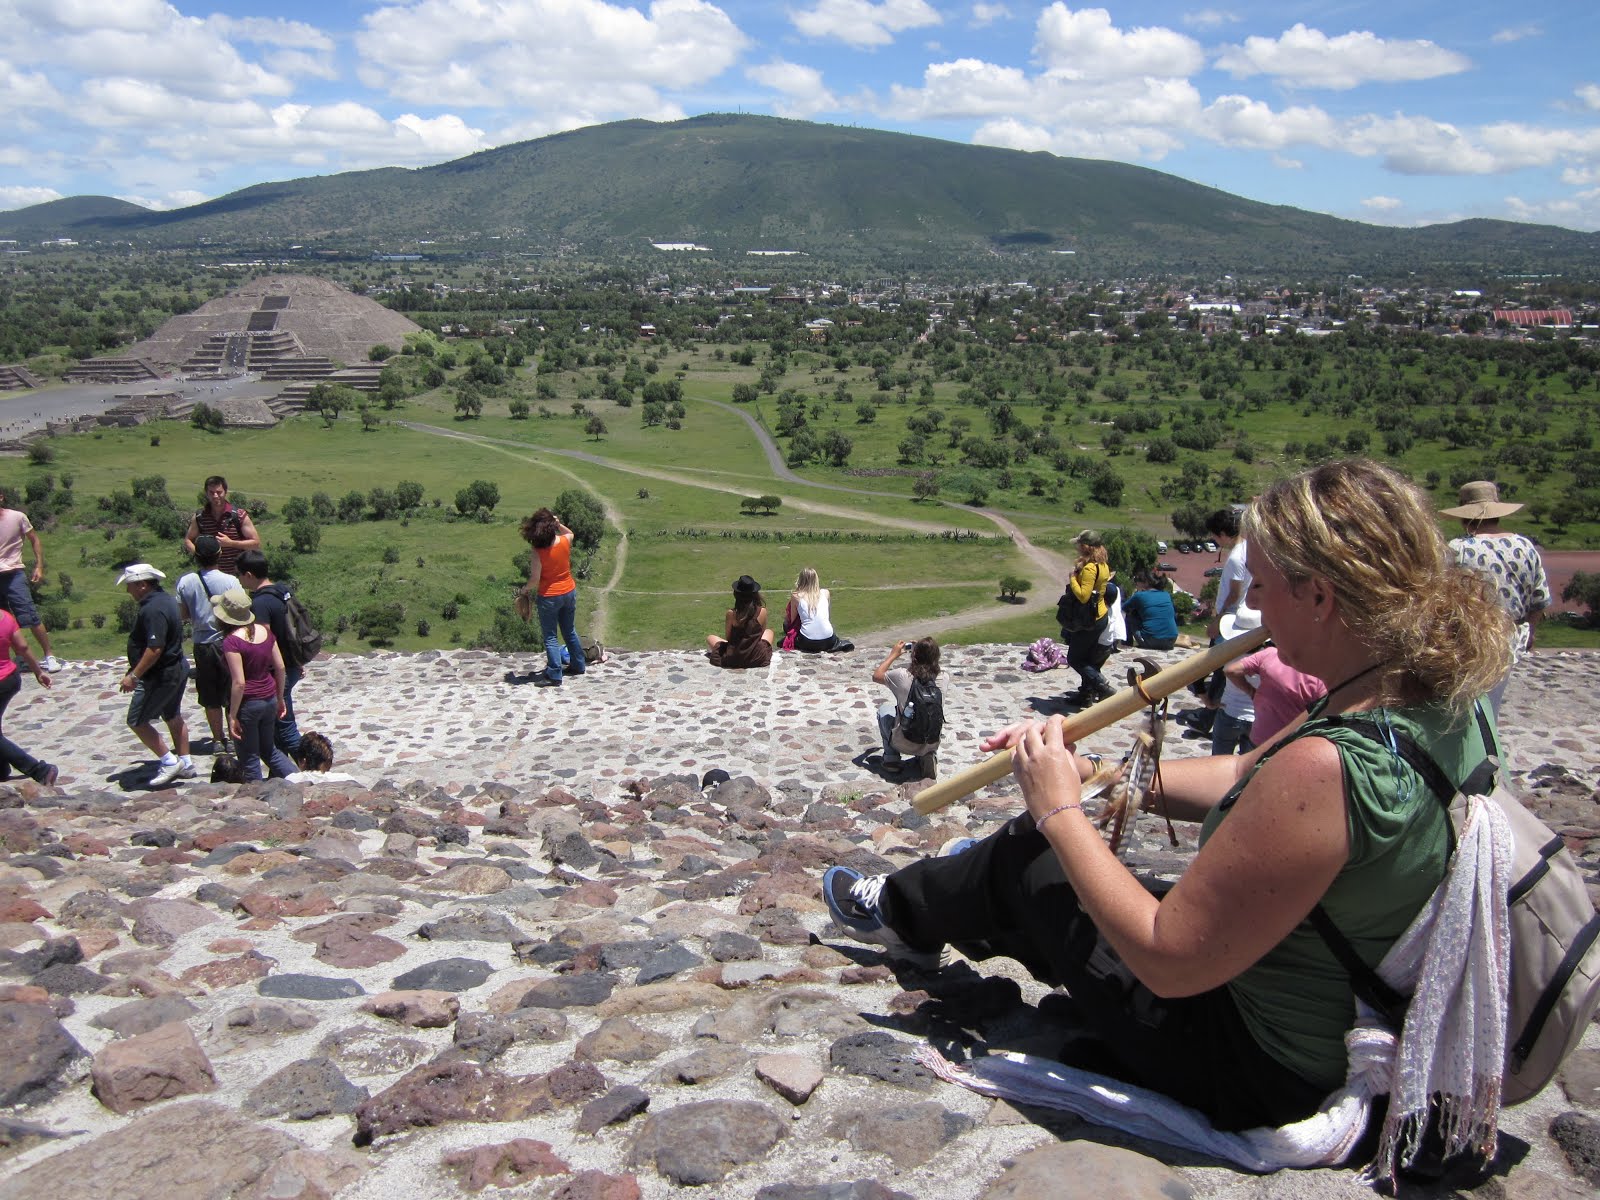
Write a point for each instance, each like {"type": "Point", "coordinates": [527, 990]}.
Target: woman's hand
{"type": "Point", "coordinates": [1042, 760]}
{"type": "Point", "coordinates": [235, 728]}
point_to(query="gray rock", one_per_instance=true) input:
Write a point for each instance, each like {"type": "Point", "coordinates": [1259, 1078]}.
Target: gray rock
{"type": "Point", "coordinates": [362, 1050]}
{"type": "Point", "coordinates": [39, 1054]}
{"type": "Point", "coordinates": [91, 909]}
{"type": "Point", "coordinates": [1579, 1138]}
{"type": "Point", "coordinates": [226, 854]}
{"type": "Point", "coordinates": [304, 1090]}
{"type": "Point", "coordinates": [700, 1143]}
{"type": "Point", "coordinates": [570, 991]}
{"type": "Point", "coordinates": [158, 839]}
{"type": "Point", "coordinates": [882, 1056]}
{"type": "Point", "coordinates": [861, 1189]}
{"type": "Point", "coordinates": [218, 896]}
{"type": "Point", "coordinates": [141, 1016]}
{"type": "Point", "coordinates": [614, 956]}
{"type": "Point", "coordinates": [292, 986]}
{"type": "Point", "coordinates": [163, 922]}
{"type": "Point", "coordinates": [70, 979]}
{"type": "Point", "coordinates": [61, 951]}
{"type": "Point", "coordinates": [471, 925]}
{"type": "Point", "coordinates": [256, 1020]}
{"type": "Point", "coordinates": [703, 1065]}
{"type": "Point", "coordinates": [733, 947]}
{"type": "Point", "coordinates": [618, 1039]}
{"type": "Point", "coordinates": [483, 1037]}
{"type": "Point", "coordinates": [445, 975]}
{"type": "Point", "coordinates": [667, 962]}
{"type": "Point", "coordinates": [571, 849]}
{"type": "Point", "coordinates": [909, 1134]}
{"type": "Point", "coordinates": [1104, 1172]}
{"type": "Point", "coordinates": [620, 1104]}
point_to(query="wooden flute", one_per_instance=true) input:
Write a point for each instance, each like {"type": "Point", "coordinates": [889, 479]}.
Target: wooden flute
{"type": "Point", "coordinates": [1096, 717]}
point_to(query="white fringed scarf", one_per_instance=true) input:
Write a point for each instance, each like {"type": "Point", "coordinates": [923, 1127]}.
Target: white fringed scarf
{"type": "Point", "coordinates": [1454, 961]}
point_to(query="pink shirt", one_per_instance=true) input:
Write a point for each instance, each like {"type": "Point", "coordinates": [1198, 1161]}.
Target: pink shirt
{"type": "Point", "coordinates": [8, 627]}
{"type": "Point", "coordinates": [13, 525]}
{"type": "Point", "coordinates": [1282, 693]}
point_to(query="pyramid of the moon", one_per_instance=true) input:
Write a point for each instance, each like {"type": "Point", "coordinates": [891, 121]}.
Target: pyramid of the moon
{"type": "Point", "coordinates": [295, 315]}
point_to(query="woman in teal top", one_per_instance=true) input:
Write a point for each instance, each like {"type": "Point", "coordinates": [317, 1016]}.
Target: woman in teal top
{"type": "Point", "coordinates": [1219, 993]}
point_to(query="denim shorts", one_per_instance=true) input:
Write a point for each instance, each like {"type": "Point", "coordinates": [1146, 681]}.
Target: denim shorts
{"type": "Point", "coordinates": [17, 598]}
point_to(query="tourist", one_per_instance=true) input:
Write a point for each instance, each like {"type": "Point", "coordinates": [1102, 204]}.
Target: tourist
{"type": "Point", "coordinates": [1218, 993]}
{"type": "Point", "coordinates": [1236, 712]}
{"type": "Point", "coordinates": [550, 580]}
{"type": "Point", "coordinates": [194, 591]}
{"type": "Point", "coordinates": [14, 757]}
{"type": "Point", "coordinates": [1278, 692]}
{"type": "Point", "coordinates": [1086, 621]}
{"type": "Point", "coordinates": [808, 609]}
{"type": "Point", "coordinates": [746, 641]}
{"type": "Point", "coordinates": [1510, 563]}
{"type": "Point", "coordinates": [257, 690]}
{"type": "Point", "coordinates": [157, 674]}
{"type": "Point", "coordinates": [269, 601]}
{"type": "Point", "coordinates": [1152, 621]}
{"type": "Point", "coordinates": [15, 595]}
{"type": "Point", "coordinates": [315, 763]}
{"type": "Point", "coordinates": [910, 739]}
{"type": "Point", "coordinates": [229, 524]}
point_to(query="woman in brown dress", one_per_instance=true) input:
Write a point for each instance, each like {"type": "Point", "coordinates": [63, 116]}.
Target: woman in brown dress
{"type": "Point", "coordinates": [746, 641]}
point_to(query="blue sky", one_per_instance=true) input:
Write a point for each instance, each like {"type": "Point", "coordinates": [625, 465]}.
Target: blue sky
{"type": "Point", "coordinates": [1402, 112]}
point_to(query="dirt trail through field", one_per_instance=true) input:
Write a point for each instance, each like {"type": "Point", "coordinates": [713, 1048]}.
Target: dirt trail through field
{"type": "Point", "coordinates": [1047, 569]}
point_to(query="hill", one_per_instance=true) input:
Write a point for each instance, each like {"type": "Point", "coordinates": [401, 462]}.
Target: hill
{"type": "Point", "coordinates": [736, 183]}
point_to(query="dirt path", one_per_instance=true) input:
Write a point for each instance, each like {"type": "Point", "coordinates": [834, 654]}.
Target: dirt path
{"type": "Point", "coordinates": [1047, 569]}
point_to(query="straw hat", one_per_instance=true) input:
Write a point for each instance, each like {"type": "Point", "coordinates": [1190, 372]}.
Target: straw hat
{"type": "Point", "coordinates": [233, 607]}
{"type": "Point", "coordinates": [1479, 501]}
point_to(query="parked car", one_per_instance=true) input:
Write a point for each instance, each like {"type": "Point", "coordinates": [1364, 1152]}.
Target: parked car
{"type": "Point", "coordinates": [1210, 546]}
{"type": "Point", "coordinates": [1161, 547]}
{"type": "Point", "coordinates": [1166, 567]}
{"type": "Point", "coordinates": [1213, 572]}
{"type": "Point", "coordinates": [1184, 547]}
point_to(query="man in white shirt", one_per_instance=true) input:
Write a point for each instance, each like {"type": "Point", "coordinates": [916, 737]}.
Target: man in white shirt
{"type": "Point", "coordinates": [211, 680]}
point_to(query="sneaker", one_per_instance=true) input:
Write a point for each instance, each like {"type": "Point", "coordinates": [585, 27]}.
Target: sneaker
{"type": "Point", "coordinates": [186, 770]}
{"type": "Point", "coordinates": [168, 774]}
{"type": "Point", "coordinates": [52, 664]}
{"type": "Point", "coordinates": [48, 776]}
{"type": "Point", "coordinates": [930, 766]}
{"type": "Point", "coordinates": [546, 681]}
{"type": "Point", "coordinates": [852, 900]}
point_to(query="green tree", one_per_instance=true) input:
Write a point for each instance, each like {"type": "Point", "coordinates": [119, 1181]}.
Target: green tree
{"type": "Point", "coordinates": [925, 486]}
{"type": "Point", "coordinates": [837, 448]}
{"type": "Point", "coordinates": [478, 496]}
{"type": "Point", "coordinates": [305, 535]}
{"type": "Point", "coordinates": [469, 403]}
{"type": "Point", "coordinates": [518, 409]}
{"type": "Point", "coordinates": [352, 506]}
{"type": "Point", "coordinates": [1012, 587]}
{"type": "Point", "coordinates": [408, 494]}
{"type": "Point", "coordinates": [1584, 588]}
{"type": "Point", "coordinates": [322, 506]}
{"type": "Point", "coordinates": [383, 502]}
{"type": "Point", "coordinates": [582, 513]}
{"type": "Point", "coordinates": [207, 418]}
{"type": "Point", "coordinates": [744, 393]}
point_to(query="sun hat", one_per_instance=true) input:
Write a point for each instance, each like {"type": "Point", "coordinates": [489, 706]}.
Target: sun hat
{"type": "Point", "coordinates": [233, 607]}
{"type": "Point", "coordinates": [1479, 501]}
{"type": "Point", "coordinates": [140, 573]}
{"type": "Point", "coordinates": [745, 586]}
{"type": "Point", "coordinates": [1240, 620]}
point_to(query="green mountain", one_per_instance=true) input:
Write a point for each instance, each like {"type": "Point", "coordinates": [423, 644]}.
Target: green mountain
{"type": "Point", "coordinates": [740, 183]}
{"type": "Point", "coordinates": [68, 217]}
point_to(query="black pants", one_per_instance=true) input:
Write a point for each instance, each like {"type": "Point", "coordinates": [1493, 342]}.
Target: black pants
{"type": "Point", "coordinates": [1007, 895]}
{"type": "Point", "coordinates": [1086, 655]}
{"type": "Point", "coordinates": [12, 755]}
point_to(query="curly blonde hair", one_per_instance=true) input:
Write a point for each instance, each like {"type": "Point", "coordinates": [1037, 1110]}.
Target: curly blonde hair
{"type": "Point", "coordinates": [1371, 533]}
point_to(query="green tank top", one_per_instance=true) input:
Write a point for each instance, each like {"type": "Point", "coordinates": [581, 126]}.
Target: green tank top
{"type": "Point", "coordinates": [1297, 1000]}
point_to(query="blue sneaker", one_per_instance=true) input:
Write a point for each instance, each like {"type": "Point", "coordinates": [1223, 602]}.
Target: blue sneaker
{"type": "Point", "coordinates": [852, 900]}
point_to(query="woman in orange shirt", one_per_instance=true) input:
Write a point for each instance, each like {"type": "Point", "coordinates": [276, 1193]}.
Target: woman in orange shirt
{"type": "Point", "coordinates": [550, 581]}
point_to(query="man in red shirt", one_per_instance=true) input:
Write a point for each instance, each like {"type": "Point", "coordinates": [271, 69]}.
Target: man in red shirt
{"type": "Point", "coordinates": [229, 524]}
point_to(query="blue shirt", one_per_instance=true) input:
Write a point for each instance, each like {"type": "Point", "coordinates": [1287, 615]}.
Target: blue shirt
{"type": "Point", "coordinates": [1149, 611]}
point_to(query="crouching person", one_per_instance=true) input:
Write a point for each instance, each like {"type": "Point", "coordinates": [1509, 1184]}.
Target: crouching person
{"type": "Point", "coordinates": [911, 723]}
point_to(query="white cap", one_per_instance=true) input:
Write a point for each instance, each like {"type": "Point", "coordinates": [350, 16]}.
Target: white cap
{"type": "Point", "coordinates": [140, 573]}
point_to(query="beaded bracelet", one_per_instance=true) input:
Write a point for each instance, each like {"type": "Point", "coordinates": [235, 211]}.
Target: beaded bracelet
{"type": "Point", "coordinates": [1039, 824]}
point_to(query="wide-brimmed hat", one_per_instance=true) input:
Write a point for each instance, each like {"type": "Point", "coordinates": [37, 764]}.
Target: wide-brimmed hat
{"type": "Point", "coordinates": [233, 607]}
{"type": "Point", "coordinates": [1479, 501]}
{"type": "Point", "coordinates": [1240, 620]}
{"type": "Point", "coordinates": [745, 586]}
{"type": "Point", "coordinates": [139, 573]}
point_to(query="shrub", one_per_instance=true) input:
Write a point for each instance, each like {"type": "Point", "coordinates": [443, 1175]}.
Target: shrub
{"type": "Point", "coordinates": [450, 611]}
{"type": "Point", "coordinates": [41, 453]}
{"type": "Point", "coordinates": [98, 620]}
{"type": "Point", "coordinates": [206, 418]}
{"type": "Point", "coordinates": [391, 554]}
{"type": "Point", "coordinates": [408, 494]}
{"type": "Point", "coordinates": [478, 495]}
{"type": "Point", "coordinates": [352, 506]}
{"type": "Point", "coordinates": [379, 624]}
{"type": "Point", "coordinates": [305, 535]}
{"type": "Point", "coordinates": [1012, 587]}
{"type": "Point", "coordinates": [508, 635]}
{"type": "Point", "coordinates": [127, 614]}
{"type": "Point", "coordinates": [423, 628]}
{"type": "Point", "coordinates": [581, 513]}
{"type": "Point", "coordinates": [322, 506]}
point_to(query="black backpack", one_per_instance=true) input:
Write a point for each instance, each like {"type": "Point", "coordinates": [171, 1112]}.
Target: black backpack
{"type": "Point", "coordinates": [922, 715]}
{"type": "Point", "coordinates": [302, 641]}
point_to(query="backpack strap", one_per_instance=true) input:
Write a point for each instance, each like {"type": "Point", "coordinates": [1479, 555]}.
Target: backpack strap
{"type": "Point", "coordinates": [1364, 981]}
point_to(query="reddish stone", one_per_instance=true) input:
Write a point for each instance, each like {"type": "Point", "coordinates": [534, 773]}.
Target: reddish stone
{"type": "Point", "coordinates": [22, 910]}
{"type": "Point", "coordinates": [82, 844]}
{"type": "Point", "coordinates": [96, 941]}
{"type": "Point", "coordinates": [169, 856]}
{"type": "Point", "coordinates": [23, 993]}
{"type": "Point", "coordinates": [505, 1164]}
{"type": "Point", "coordinates": [597, 1185]}
{"type": "Point", "coordinates": [594, 894]}
{"type": "Point", "coordinates": [228, 972]}
{"type": "Point", "coordinates": [259, 924]}
{"type": "Point", "coordinates": [865, 975]}
{"type": "Point", "coordinates": [231, 946]}
{"type": "Point", "coordinates": [158, 1065]}
{"type": "Point", "coordinates": [309, 904]}
{"type": "Point", "coordinates": [352, 948]}
{"type": "Point", "coordinates": [261, 904]}
{"type": "Point", "coordinates": [436, 1093]}
{"type": "Point", "coordinates": [259, 863]}
{"type": "Point", "coordinates": [420, 1009]}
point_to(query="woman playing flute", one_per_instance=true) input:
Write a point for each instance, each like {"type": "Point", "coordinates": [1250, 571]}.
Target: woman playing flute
{"type": "Point", "coordinates": [1219, 993]}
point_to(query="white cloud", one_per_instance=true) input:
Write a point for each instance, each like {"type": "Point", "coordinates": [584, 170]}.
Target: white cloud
{"type": "Point", "coordinates": [1085, 45]}
{"type": "Point", "coordinates": [167, 201]}
{"type": "Point", "coordinates": [1288, 164]}
{"type": "Point", "coordinates": [988, 14]}
{"type": "Point", "coordinates": [297, 64]}
{"type": "Point", "coordinates": [1304, 57]}
{"type": "Point", "coordinates": [23, 197]}
{"type": "Point", "coordinates": [80, 16]}
{"type": "Point", "coordinates": [542, 54]}
{"type": "Point", "coordinates": [271, 31]}
{"type": "Point", "coordinates": [862, 23]}
{"type": "Point", "coordinates": [1122, 144]}
{"type": "Point", "coordinates": [1209, 18]}
{"type": "Point", "coordinates": [1382, 203]}
{"type": "Point", "coordinates": [1241, 121]}
{"type": "Point", "coordinates": [1579, 211]}
{"type": "Point", "coordinates": [967, 87]}
{"type": "Point", "coordinates": [801, 88]}
{"type": "Point", "coordinates": [1589, 94]}
{"type": "Point", "coordinates": [1516, 34]}
{"type": "Point", "coordinates": [25, 89]}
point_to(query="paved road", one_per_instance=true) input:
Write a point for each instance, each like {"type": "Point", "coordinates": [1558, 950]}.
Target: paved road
{"type": "Point", "coordinates": [24, 412]}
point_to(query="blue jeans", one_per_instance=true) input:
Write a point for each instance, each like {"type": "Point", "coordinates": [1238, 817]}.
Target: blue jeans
{"type": "Point", "coordinates": [13, 756]}
{"type": "Point", "coordinates": [256, 718]}
{"type": "Point", "coordinates": [557, 622]}
{"type": "Point", "coordinates": [1230, 735]}
{"type": "Point", "coordinates": [286, 734]}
